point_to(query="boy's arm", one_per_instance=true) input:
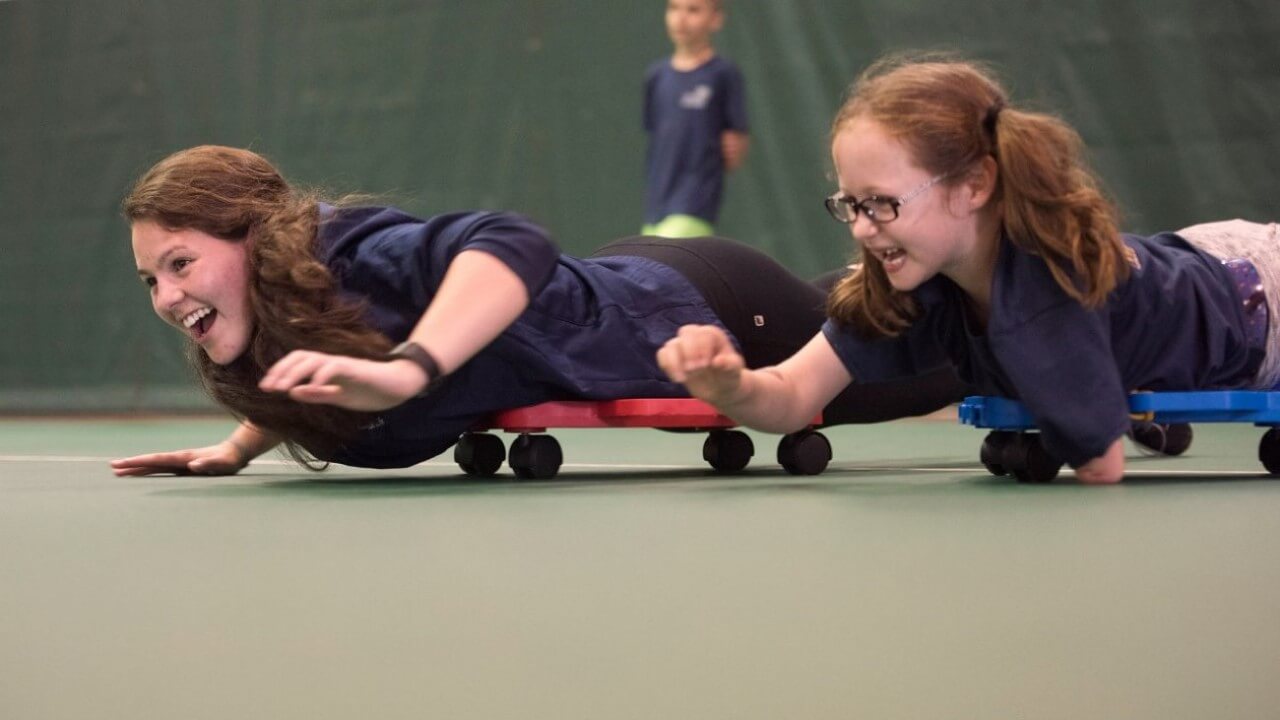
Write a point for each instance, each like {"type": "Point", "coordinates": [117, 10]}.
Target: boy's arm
{"type": "Point", "coordinates": [734, 139]}
{"type": "Point", "coordinates": [734, 145]}
{"type": "Point", "coordinates": [646, 109]}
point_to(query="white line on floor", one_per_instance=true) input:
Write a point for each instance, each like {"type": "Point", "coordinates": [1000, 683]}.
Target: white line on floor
{"type": "Point", "coordinates": [625, 466]}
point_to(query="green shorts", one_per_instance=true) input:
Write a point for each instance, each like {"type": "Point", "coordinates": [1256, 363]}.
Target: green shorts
{"type": "Point", "coordinates": [679, 226]}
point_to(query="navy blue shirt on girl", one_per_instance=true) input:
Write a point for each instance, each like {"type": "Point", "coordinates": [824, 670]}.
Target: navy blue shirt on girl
{"type": "Point", "coordinates": [591, 331]}
{"type": "Point", "coordinates": [1177, 323]}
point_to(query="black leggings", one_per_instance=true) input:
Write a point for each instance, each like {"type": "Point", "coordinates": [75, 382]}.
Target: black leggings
{"type": "Point", "coordinates": [773, 314]}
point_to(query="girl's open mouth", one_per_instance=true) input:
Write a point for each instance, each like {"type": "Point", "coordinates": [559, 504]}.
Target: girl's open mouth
{"type": "Point", "coordinates": [893, 260]}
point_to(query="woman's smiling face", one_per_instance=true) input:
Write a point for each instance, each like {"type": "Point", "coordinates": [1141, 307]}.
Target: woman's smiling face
{"type": "Point", "coordinates": [199, 284]}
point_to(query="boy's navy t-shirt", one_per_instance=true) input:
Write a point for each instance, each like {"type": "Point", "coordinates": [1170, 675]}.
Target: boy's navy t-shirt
{"type": "Point", "coordinates": [684, 114]}
{"type": "Point", "coordinates": [1175, 324]}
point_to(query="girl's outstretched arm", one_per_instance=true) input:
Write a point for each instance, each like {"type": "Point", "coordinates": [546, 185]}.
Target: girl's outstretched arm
{"type": "Point", "coordinates": [226, 458]}
{"type": "Point", "coordinates": [782, 398]}
{"type": "Point", "coordinates": [478, 298]}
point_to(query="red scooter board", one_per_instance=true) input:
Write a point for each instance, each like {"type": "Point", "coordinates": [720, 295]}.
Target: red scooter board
{"type": "Point", "coordinates": [670, 413]}
{"type": "Point", "coordinates": [535, 455]}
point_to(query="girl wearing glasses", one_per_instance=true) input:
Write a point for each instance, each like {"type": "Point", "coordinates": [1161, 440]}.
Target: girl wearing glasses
{"type": "Point", "coordinates": [364, 336]}
{"type": "Point", "coordinates": [985, 241]}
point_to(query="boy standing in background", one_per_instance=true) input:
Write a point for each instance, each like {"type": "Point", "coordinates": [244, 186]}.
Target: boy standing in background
{"type": "Point", "coordinates": [696, 118]}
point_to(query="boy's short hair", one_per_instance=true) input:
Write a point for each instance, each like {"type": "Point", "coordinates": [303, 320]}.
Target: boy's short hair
{"type": "Point", "coordinates": [716, 5]}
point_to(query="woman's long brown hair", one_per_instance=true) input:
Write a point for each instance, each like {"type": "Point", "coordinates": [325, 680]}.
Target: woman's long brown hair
{"type": "Point", "coordinates": [238, 196]}
{"type": "Point", "coordinates": [951, 114]}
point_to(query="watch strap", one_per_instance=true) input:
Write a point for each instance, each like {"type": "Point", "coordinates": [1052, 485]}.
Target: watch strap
{"type": "Point", "coordinates": [418, 355]}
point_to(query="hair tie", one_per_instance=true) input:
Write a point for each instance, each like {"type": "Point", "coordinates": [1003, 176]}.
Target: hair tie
{"type": "Point", "coordinates": [989, 121]}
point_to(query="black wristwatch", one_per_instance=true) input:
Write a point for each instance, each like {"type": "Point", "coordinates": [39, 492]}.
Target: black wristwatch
{"type": "Point", "coordinates": [418, 355]}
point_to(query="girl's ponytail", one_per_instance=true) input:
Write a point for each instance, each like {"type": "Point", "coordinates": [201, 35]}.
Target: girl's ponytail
{"type": "Point", "coordinates": [1052, 205]}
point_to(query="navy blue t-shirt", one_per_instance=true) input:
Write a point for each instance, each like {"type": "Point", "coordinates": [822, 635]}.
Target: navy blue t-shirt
{"type": "Point", "coordinates": [1175, 324]}
{"type": "Point", "coordinates": [591, 331]}
{"type": "Point", "coordinates": [684, 115]}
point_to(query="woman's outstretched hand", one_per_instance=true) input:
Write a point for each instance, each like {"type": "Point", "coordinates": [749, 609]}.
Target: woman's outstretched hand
{"type": "Point", "coordinates": [352, 383]}
{"type": "Point", "coordinates": [221, 459]}
{"type": "Point", "coordinates": [703, 358]}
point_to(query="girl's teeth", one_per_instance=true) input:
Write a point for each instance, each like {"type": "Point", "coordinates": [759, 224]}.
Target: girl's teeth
{"type": "Point", "coordinates": [893, 259]}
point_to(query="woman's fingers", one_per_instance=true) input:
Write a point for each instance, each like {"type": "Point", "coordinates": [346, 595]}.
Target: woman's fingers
{"type": "Point", "coordinates": [299, 369]}
{"type": "Point", "coordinates": [220, 459]}
{"type": "Point", "coordinates": [326, 394]}
{"type": "Point", "coordinates": [138, 471]}
{"type": "Point", "coordinates": [130, 471]}
{"type": "Point", "coordinates": [332, 371]}
{"type": "Point", "coordinates": [126, 468]}
{"type": "Point", "coordinates": [273, 374]}
{"type": "Point", "coordinates": [353, 383]}
{"type": "Point", "coordinates": [153, 460]}
{"type": "Point", "coordinates": [311, 377]}
{"type": "Point", "coordinates": [292, 369]}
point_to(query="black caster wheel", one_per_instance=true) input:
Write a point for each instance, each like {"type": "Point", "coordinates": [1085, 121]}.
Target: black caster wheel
{"type": "Point", "coordinates": [804, 453]}
{"type": "Point", "coordinates": [1163, 438]}
{"type": "Point", "coordinates": [1027, 460]}
{"type": "Point", "coordinates": [535, 457]}
{"type": "Point", "coordinates": [728, 450]}
{"type": "Point", "coordinates": [993, 450]}
{"type": "Point", "coordinates": [1269, 450]}
{"type": "Point", "coordinates": [479, 454]}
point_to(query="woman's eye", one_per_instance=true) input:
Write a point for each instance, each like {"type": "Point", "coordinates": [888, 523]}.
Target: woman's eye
{"type": "Point", "coordinates": [149, 282]}
{"type": "Point", "coordinates": [180, 263]}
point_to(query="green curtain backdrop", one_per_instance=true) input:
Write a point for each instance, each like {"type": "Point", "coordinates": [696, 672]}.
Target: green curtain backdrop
{"type": "Point", "coordinates": [534, 106]}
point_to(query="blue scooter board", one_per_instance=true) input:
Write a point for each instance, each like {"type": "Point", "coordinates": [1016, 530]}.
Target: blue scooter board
{"type": "Point", "coordinates": [1009, 449]}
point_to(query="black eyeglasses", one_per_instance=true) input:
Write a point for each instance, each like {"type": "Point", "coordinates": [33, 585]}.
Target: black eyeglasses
{"type": "Point", "coordinates": [878, 208]}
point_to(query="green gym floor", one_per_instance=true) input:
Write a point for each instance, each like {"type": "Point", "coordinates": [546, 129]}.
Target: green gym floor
{"type": "Point", "coordinates": [905, 582]}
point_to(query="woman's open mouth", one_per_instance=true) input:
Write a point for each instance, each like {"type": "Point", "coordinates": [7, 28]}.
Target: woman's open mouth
{"type": "Point", "coordinates": [199, 322]}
